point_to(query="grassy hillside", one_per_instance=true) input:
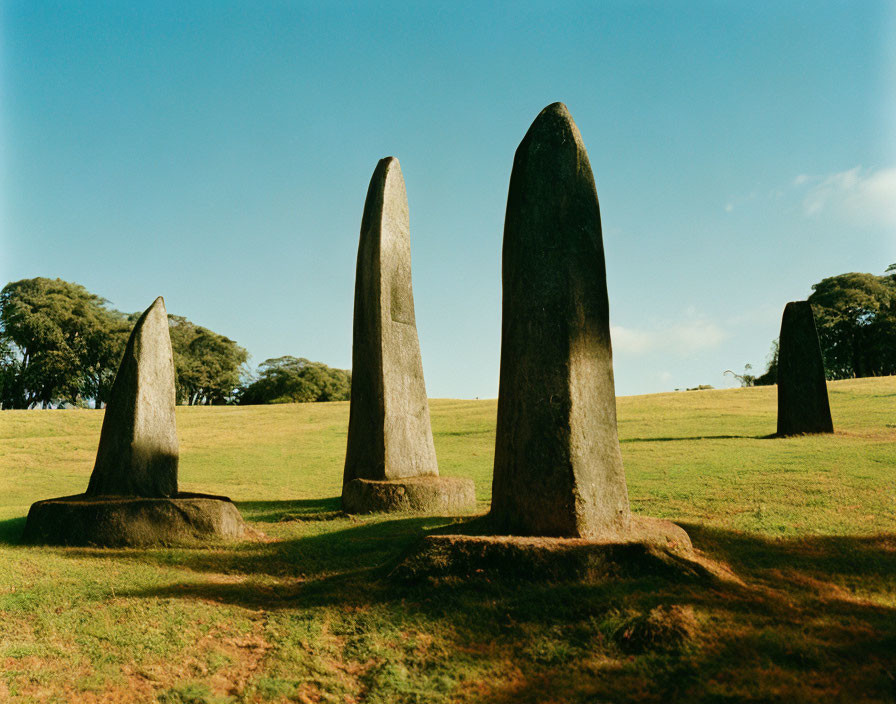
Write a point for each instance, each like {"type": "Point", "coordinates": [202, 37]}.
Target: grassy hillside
{"type": "Point", "coordinates": [808, 524]}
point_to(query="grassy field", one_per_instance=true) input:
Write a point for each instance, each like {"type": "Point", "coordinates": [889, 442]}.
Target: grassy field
{"type": "Point", "coordinates": [311, 615]}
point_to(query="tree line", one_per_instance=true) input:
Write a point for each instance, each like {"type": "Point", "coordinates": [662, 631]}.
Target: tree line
{"type": "Point", "coordinates": [60, 344]}
{"type": "Point", "coordinates": [855, 315]}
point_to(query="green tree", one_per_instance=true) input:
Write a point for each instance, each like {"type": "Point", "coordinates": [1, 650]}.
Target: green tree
{"type": "Point", "coordinates": [209, 365]}
{"type": "Point", "coordinates": [61, 343]}
{"type": "Point", "coordinates": [770, 376]}
{"type": "Point", "coordinates": [56, 342]}
{"type": "Point", "coordinates": [296, 380]}
{"type": "Point", "coordinates": [855, 315]}
{"type": "Point", "coordinates": [745, 379]}
{"type": "Point", "coordinates": [10, 375]}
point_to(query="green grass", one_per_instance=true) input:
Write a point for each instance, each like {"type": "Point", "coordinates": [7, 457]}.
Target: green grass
{"type": "Point", "coordinates": [310, 615]}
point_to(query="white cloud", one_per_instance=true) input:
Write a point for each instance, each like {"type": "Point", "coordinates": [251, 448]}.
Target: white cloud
{"type": "Point", "coordinates": [682, 338]}
{"type": "Point", "coordinates": [632, 341]}
{"type": "Point", "coordinates": [695, 335]}
{"type": "Point", "coordinates": [738, 202]}
{"type": "Point", "coordinates": [864, 196]}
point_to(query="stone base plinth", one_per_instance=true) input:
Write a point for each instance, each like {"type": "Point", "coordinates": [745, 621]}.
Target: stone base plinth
{"type": "Point", "coordinates": [444, 495]}
{"type": "Point", "coordinates": [652, 548]}
{"type": "Point", "coordinates": [122, 521]}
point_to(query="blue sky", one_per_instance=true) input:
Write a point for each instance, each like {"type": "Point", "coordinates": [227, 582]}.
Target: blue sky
{"type": "Point", "coordinates": [218, 154]}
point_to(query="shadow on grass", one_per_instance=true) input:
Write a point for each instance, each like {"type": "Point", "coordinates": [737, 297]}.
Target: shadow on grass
{"type": "Point", "coordinates": [11, 531]}
{"type": "Point", "coordinates": [321, 564]}
{"type": "Point", "coordinates": [323, 548]}
{"type": "Point", "coordinates": [801, 624]}
{"type": "Point", "coordinates": [854, 559]}
{"type": "Point", "coordinates": [794, 624]}
{"type": "Point", "coordinates": [303, 509]}
{"type": "Point", "coordinates": [253, 511]}
{"type": "Point", "coordinates": [701, 437]}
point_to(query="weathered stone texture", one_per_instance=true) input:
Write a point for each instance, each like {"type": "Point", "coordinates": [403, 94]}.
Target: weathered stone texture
{"type": "Point", "coordinates": [116, 521]}
{"type": "Point", "coordinates": [389, 433]}
{"type": "Point", "coordinates": [653, 548]}
{"type": "Point", "coordinates": [803, 405]}
{"type": "Point", "coordinates": [138, 450]}
{"type": "Point", "coordinates": [558, 469]}
{"type": "Point", "coordinates": [442, 495]}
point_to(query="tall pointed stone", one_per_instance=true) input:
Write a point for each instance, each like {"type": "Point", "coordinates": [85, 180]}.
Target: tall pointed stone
{"type": "Point", "coordinates": [389, 432]}
{"type": "Point", "coordinates": [132, 498]}
{"type": "Point", "coordinates": [559, 501]}
{"type": "Point", "coordinates": [138, 450]}
{"type": "Point", "coordinates": [558, 469]}
{"type": "Point", "coordinates": [803, 405]}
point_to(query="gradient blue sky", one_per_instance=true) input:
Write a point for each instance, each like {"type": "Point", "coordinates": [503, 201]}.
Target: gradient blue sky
{"type": "Point", "coordinates": [218, 154]}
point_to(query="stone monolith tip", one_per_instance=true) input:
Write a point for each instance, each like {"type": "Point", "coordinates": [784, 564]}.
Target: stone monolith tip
{"type": "Point", "coordinates": [138, 450]}
{"type": "Point", "coordinates": [803, 405]}
{"type": "Point", "coordinates": [558, 468]}
{"type": "Point", "coordinates": [389, 433]}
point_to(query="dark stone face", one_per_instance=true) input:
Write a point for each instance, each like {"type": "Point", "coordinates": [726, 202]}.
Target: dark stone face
{"type": "Point", "coordinates": [389, 433]}
{"type": "Point", "coordinates": [803, 405]}
{"type": "Point", "coordinates": [558, 468]}
{"type": "Point", "coordinates": [138, 450]}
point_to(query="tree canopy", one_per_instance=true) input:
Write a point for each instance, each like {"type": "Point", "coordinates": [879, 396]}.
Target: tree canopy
{"type": "Point", "coordinates": [59, 343]}
{"type": "Point", "coordinates": [292, 379]}
{"type": "Point", "coordinates": [208, 365]}
{"type": "Point", "coordinates": [855, 315]}
{"type": "Point", "coordinates": [856, 319]}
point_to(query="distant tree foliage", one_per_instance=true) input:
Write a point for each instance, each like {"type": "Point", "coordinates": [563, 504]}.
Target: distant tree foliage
{"type": "Point", "coordinates": [208, 365]}
{"type": "Point", "coordinates": [60, 344]}
{"type": "Point", "coordinates": [855, 315]}
{"type": "Point", "coordinates": [770, 376]}
{"type": "Point", "coordinates": [296, 380]}
{"type": "Point", "coordinates": [856, 319]}
{"type": "Point", "coordinates": [746, 379]}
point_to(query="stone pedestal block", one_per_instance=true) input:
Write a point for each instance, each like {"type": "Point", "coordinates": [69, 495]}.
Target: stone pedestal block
{"type": "Point", "coordinates": [440, 495]}
{"type": "Point", "coordinates": [121, 521]}
{"type": "Point", "coordinates": [652, 548]}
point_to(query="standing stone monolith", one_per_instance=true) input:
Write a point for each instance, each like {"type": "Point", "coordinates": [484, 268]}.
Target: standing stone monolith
{"type": "Point", "coordinates": [138, 450]}
{"type": "Point", "coordinates": [558, 469]}
{"type": "Point", "coordinates": [559, 500]}
{"type": "Point", "coordinates": [390, 460]}
{"type": "Point", "coordinates": [132, 498]}
{"type": "Point", "coordinates": [803, 405]}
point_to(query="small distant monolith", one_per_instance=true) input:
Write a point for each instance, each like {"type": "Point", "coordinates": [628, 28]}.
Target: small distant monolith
{"type": "Point", "coordinates": [132, 497]}
{"type": "Point", "coordinates": [803, 405]}
{"type": "Point", "coordinates": [558, 469]}
{"type": "Point", "coordinates": [390, 461]}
